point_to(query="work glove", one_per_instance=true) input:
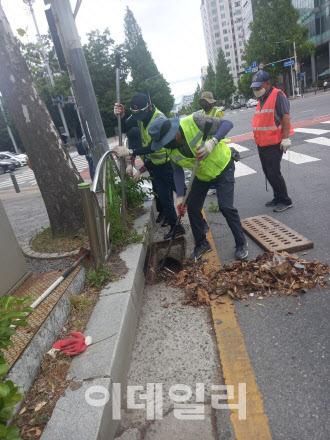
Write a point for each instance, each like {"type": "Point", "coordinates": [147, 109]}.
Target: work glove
{"type": "Point", "coordinates": [74, 345]}
{"type": "Point", "coordinates": [206, 150]}
{"type": "Point", "coordinates": [285, 144]}
{"type": "Point", "coordinates": [123, 152]}
{"type": "Point", "coordinates": [119, 110]}
{"type": "Point", "coordinates": [129, 170]}
{"type": "Point", "coordinates": [181, 209]}
{"type": "Point", "coordinates": [137, 176]}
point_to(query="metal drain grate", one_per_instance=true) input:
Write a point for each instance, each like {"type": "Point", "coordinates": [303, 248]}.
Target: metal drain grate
{"type": "Point", "coordinates": [34, 286]}
{"type": "Point", "coordinates": [273, 235]}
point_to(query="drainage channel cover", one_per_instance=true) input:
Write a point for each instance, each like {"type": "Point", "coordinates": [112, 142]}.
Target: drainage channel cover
{"type": "Point", "coordinates": [273, 235]}
{"type": "Point", "coordinates": [34, 286]}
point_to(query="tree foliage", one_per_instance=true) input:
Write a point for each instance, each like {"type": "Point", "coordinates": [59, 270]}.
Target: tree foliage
{"type": "Point", "coordinates": [224, 82]}
{"type": "Point", "coordinates": [195, 106]}
{"type": "Point", "coordinates": [146, 77]}
{"type": "Point", "coordinates": [209, 84]}
{"type": "Point", "coordinates": [244, 85]}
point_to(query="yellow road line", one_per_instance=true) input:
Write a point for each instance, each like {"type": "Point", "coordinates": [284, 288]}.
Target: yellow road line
{"type": "Point", "coordinates": [235, 362]}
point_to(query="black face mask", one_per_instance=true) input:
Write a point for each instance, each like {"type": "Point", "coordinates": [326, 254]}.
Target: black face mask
{"type": "Point", "coordinates": [172, 145]}
{"type": "Point", "coordinates": [206, 107]}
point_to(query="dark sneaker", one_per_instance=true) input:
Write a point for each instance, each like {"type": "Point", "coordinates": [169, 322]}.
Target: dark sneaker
{"type": "Point", "coordinates": [165, 223]}
{"type": "Point", "coordinates": [282, 207]}
{"type": "Point", "coordinates": [160, 217]}
{"type": "Point", "coordinates": [179, 231]}
{"type": "Point", "coordinates": [271, 203]}
{"type": "Point", "coordinates": [199, 250]}
{"type": "Point", "coordinates": [206, 228]}
{"type": "Point", "coordinates": [241, 252]}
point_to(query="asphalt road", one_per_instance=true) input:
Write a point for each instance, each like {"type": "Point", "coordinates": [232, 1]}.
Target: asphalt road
{"type": "Point", "coordinates": [288, 351]}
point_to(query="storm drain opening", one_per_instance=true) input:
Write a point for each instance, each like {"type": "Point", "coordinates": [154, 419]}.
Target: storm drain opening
{"type": "Point", "coordinates": [273, 235]}
{"type": "Point", "coordinates": [174, 261]}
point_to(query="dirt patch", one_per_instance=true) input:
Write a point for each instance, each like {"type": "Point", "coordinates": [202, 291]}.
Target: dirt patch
{"type": "Point", "coordinates": [45, 242]}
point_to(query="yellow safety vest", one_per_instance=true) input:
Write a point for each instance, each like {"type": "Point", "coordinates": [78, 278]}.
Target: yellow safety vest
{"type": "Point", "coordinates": [157, 157]}
{"type": "Point", "coordinates": [214, 113]}
{"type": "Point", "coordinates": [211, 166]}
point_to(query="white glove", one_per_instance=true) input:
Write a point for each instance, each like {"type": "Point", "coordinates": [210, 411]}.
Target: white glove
{"type": "Point", "coordinates": [137, 176]}
{"type": "Point", "coordinates": [119, 110]}
{"type": "Point", "coordinates": [285, 144]}
{"type": "Point", "coordinates": [207, 149]}
{"type": "Point", "coordinates": [129, 170]}
{"type": "Point", "coordinates": [123, 152]}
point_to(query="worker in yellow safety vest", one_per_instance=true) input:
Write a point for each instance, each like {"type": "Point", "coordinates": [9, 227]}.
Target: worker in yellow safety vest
{"type": "Point", "coordinates": [208, 105]}
{"type": "Point", "coordinates": [182, 142]}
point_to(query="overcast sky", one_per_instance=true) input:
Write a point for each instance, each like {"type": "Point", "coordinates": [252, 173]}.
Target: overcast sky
{"type": "Point", "coordinates": [172, 30]}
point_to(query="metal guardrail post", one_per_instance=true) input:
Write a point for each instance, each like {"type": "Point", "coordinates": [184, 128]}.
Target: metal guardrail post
{"type": "Point", "coordinates": [13, 178]}
{"type": "Point", "coordinates": [91, 224]}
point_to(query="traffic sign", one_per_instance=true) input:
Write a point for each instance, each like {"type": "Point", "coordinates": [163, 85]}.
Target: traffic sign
{"type": "Point", "coordinates": [261, 66]}
{"type": "Point", "coordinates": [254, 64]}
{"type": "Point", "coordinates": [249, 69]}
{"type": "Point", "coordinates": [255, 69]}
{"type": "Point", "coordinates": [288, 63]}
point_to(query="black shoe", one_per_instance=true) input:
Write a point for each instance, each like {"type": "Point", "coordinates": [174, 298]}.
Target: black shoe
{"type": "Point", "coordinates": [165, 223]}
{"type": "Point", "coordinates": [206, 228]}
{"type": "Point", "coordinates": [241, 252]}
{"type": "Point", "coordinates": [160, 217]}
{"type": "Point", "coordinates": [271, 203]}
{"type": "Point", "coordinates": [282, 207]}
{"type": "Point", "coordinates": [199, 250]}
{"type": "Point", "coordinates": [179, 231]}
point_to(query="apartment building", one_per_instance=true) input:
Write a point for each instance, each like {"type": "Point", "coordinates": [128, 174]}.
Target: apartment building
{"type": "Point", "coordinates": [223, 29]}
{"type": "Point", "coordinates": [247, 17]}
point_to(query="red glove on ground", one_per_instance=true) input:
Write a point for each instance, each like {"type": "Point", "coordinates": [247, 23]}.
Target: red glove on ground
{"type": "Point", "coordinates": [73, 345]}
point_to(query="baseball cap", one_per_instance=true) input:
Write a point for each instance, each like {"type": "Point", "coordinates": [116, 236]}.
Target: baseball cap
{"type": "Point", "coordinates": [259, 78]}
{"type": "Point", "coordinates": [162, 131]}
{"type": "Point", "coordinates": [208, 97]}
{"type": "Point", "coordinates": [139, 105]}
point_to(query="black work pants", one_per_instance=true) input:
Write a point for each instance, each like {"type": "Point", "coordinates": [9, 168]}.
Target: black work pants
{"type": "Point", "coordinates": [224, 185]}
{"type": "Point", "coordinates": [164, 183]}
{"type": "Point", "coordinates": [270, 158]}
{"type": "Point", "coordinates": [148, 165]}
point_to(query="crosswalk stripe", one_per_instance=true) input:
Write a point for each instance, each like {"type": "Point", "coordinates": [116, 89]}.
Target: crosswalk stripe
{"type": "Point", "coordinates": [242, 170]}
{"type": "Point", "coordinates": [298, 158]}
{"type": "Point", "coordinates": [238, 147]}
{"type": "Point", "coordinates": [325, 122]}
{"type": "Point", "coordinates": [311, 130]}
{"type": "Point", "coordinates": [320, 141]}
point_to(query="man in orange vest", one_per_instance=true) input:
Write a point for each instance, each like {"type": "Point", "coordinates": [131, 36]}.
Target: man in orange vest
{"type": "Point", "coordinates": [271, 129]}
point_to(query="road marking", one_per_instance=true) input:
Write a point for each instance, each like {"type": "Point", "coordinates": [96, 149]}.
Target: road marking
{"type": "Point", "coordinates": [311, 131]}
{"type": "Point", "coordinates": [320, 141]}
{"type": "Point", "coordinates": [298, 158]}
{"type": "Point", "coordinates": [243, 170]}
{"type": "Point", "coordinates": [236, 365]}
{"type": "Point", "coordinates": [325, 122]}
{"type": "Point", "coordinates": [238, 147]}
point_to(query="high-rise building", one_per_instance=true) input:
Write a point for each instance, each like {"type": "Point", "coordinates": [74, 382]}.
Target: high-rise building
{"type": "Point", "coordinates": [223, 29]}
{"type": "Point", "coordinates": [247, 16]}
{"type": "Point", "coordinates": [315, 14]}
{"type": "Point", "coordinates": [203, 75]}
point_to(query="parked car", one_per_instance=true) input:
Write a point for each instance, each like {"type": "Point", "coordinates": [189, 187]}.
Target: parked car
{"type": "Point", "coordinates": [21, 158]}
{"type": "Point", "coordinates": [235, 105]}
{"type": "Point", "coordinates": [15, 162]}
{"type": "Point", "coordinates": [252, 103]}
{"type": "Point", "coordinates": [6, 165]}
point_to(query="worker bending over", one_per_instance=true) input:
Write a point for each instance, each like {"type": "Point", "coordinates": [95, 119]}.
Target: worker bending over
{"type": "Point", "coordinates": [182, 140]}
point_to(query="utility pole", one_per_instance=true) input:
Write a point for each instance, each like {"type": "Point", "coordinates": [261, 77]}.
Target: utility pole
{"type": "Point", "coordinates": [80, 78]}
{"type": "Point", "coordinates": [296, 67]}
{"type": "Point", "coordinates": [8, 128]}
{"type": "Point", "coordinates": [49, 72]}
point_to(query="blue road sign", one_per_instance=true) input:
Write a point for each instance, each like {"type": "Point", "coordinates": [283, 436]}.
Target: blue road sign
{"type": "Point", "coordinates": [254, 64]}
{"type": "Point", "coordinates": [288, 63]}
{"type": "Point", "coordinates": [249, 69]}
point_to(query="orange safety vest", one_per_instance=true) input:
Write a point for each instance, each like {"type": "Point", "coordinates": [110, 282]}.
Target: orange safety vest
{"type": "Point", "coordinates": [265, 130]}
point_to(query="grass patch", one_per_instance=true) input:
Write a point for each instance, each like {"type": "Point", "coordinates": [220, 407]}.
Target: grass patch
{"type": "Point", "coordinates": [45, 242]}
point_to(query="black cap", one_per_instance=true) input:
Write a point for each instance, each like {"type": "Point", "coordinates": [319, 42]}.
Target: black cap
{"type": "Point", "coordinates": [139, 101]}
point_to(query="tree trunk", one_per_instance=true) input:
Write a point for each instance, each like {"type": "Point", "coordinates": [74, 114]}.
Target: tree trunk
{"type": "Point", "coordinates": [55, 172]}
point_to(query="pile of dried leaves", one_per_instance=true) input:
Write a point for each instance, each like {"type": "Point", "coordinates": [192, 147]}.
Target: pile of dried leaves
{"type": "Point", "coordinates": [267, 274]}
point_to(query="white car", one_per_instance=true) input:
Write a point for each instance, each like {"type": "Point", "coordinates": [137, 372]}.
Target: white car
{"type": "Point", "coordinates": [252, 103]}
{"type": "Point", "coordinates": [21, 158]}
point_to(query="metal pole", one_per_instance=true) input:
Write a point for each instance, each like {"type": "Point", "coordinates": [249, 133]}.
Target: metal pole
{"type": "Point", "coordinates": [296, 66]}
{"type": "Point", "coordinates": [91, 223]}
{"type": "Point", "coordinates": [49, 72]}
{"type": "Point", "coordinates": [13, 178]}
{"type": "Point", "coordinates": [80, 78]}
{"type": "Point", "coordinates": [8, 128]}
{"type": "Point", "coordinates": [292, 80]}
{"type": "Point", "coordinates": [122, 161]}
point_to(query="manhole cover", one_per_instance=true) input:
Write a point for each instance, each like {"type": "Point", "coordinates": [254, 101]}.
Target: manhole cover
{"type": "Point", "coordinates": [273, 235]}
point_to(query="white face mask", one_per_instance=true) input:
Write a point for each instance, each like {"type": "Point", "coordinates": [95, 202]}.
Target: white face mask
{"type": "Point", "coordinates": [259, 93]}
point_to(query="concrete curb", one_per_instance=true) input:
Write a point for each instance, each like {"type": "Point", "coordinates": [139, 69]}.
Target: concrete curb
{"type": "Point", "coordinates": [112, 326]}
{"type": "Point", "coordinates": [28, 252]}
{"type": "Point", "coordinates": [25, 369]}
